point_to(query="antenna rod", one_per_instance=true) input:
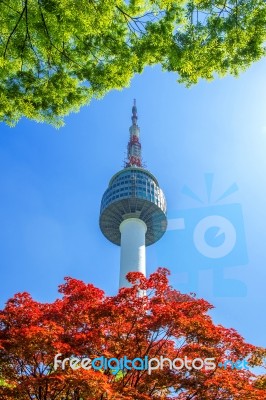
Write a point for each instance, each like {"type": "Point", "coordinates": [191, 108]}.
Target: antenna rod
{"type": "Point", "coordinates": [134, 157]}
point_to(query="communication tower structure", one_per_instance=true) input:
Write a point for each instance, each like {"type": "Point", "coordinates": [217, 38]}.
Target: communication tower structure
{"type": "Point", "coordinates": [133, 208]}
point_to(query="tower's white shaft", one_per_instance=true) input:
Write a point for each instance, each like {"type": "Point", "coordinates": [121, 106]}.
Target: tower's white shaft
{"type": "Point", "coordinates": [133, 251]}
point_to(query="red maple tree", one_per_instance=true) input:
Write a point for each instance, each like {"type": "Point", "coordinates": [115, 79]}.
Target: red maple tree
{"type": "Point", "coordinates": [150, 320]}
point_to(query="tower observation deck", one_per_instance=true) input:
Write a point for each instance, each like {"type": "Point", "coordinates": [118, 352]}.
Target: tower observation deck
{"type": "Point", "coordinates": [133, 208]}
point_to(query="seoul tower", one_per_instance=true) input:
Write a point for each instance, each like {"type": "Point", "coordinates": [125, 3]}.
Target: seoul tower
{"type": "Point", "coordinates": [133, 208]}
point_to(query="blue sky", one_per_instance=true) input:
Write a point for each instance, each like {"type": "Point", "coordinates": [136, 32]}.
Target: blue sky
{"type": "Point", "coordinates": [52, 181]}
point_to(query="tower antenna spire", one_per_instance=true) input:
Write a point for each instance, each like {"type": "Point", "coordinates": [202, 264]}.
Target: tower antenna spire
{"type": "Point", "coordinates": [134, 157]}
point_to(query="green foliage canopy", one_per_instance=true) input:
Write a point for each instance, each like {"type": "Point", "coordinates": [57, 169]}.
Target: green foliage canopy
{"type": "Point", "coordinates": [56, 55]}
